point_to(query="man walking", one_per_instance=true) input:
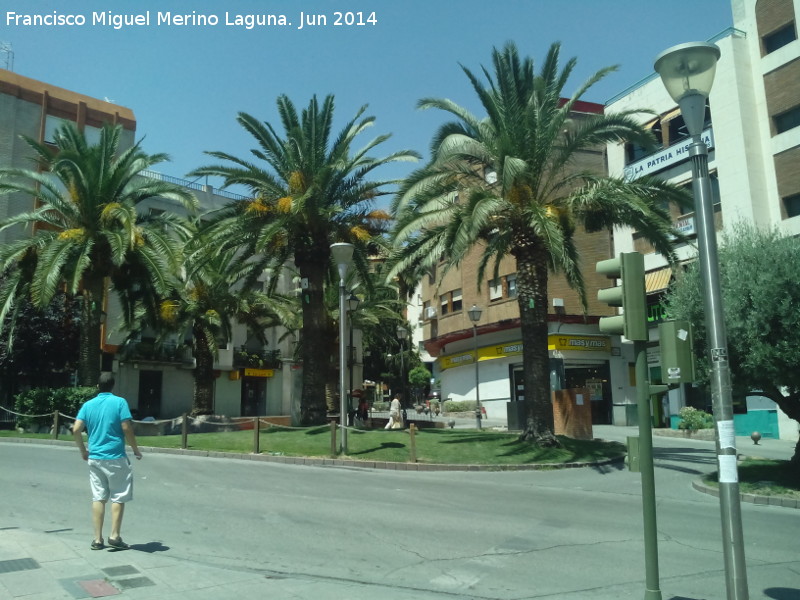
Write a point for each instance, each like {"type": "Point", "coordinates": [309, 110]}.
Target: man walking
{"type": "Point", "coordinates": [107, 420]}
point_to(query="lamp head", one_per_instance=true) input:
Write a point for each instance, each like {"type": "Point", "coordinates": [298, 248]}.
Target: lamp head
{"type": "Point", "coordinates": [688, 68]}
{"type": "Point", "coordinates": [342, 254]}
{"type": "Point", "coordinates": [475, 313]}
{"type": "Point", "coordinates": [352, 302]}
{"type": "Point", "coordinates": [687, 71]}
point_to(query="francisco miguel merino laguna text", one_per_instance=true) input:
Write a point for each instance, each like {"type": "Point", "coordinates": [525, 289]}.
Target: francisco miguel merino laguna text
{"type": "Point", "coordinates": [193, 19]}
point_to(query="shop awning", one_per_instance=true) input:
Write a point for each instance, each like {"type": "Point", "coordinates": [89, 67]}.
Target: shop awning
{"type": "Point", "coordinates": [658, 280]}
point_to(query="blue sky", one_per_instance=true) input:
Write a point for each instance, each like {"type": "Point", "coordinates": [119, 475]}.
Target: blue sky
{"type": "Point", "coordinates": [186, 84]}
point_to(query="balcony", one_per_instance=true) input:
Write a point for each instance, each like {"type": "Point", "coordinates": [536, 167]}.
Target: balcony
{"type": "Point", "coordinates": [151, 352]}
{"type": "Point", "coordinates": [265, 359]}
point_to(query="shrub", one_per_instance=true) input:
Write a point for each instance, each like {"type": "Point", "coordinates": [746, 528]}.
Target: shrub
{"type": "Point", "coordinates": [459, 406]}
{"type": "Point", "coordinates": [40, 401]}
{"type": "Point", "coordinates": [694, 419]}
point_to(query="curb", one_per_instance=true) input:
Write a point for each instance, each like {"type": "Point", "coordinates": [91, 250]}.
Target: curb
{"type": "Point", "coordinates": [340, 462]}
{"type": "Point", "coordinates": [751, 498]}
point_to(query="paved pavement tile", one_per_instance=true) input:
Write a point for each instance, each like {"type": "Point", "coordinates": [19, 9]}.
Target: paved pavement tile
{"type": "Point", "coordinates": [99, 588]}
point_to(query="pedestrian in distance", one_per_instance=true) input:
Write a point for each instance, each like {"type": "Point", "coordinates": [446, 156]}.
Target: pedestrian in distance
{"type": "Point", "coordinates": [395, 420]}
{"type": "Point", "coordinates": [107, 420]}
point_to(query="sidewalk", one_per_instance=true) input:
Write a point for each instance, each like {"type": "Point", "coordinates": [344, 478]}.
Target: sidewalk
{"type": "Point", "coordinates": [55, 565]}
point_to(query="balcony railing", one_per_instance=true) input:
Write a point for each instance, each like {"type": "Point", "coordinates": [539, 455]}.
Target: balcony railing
{"type": "Point", "coordinates": [270, 359]}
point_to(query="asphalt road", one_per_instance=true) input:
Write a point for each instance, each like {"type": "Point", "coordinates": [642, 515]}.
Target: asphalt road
{"type": "Point", "coordinates": [573, 534]}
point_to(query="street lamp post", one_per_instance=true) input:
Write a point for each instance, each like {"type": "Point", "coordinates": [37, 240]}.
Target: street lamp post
{"type": "Point", "coordinates": [475, 316]}
{"type": "Point", "coordinates": [687, 72]}
{"type": "Point", "coordinates": [402, 334]}
{"type": "Point", "coordinates": [342, 255]}
{"type": "Point", "coordinates": [352, 306]}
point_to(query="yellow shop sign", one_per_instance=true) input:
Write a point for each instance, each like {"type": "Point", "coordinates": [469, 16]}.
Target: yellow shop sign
{"type": "Point", "coordinates": [259, 372]}
{"type": "Point", "coordinates": [582, 343]}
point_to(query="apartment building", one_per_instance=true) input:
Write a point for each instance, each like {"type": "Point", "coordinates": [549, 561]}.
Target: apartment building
{"type": "Point", "coordinates": [752, 131]}
{"type": "Point", "coordinates": [580, 356]}
{"type": "Point", "coordinates": [158, 382]}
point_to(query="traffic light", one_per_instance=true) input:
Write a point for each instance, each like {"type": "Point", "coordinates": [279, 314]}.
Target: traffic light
{"type": "Point", "coordinates": [677, 352]}
{"type": "Point", "coordinates": [628, 266]}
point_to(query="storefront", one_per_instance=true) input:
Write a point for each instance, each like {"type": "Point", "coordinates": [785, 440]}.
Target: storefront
{"type": "Point", "coordinates": [576, 361]}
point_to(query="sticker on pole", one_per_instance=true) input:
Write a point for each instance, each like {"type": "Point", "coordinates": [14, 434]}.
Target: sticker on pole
{"type": "Point", "coordinates": [727, 434]}
{"type": "Point", "coordinates": [719, 355]}
{"type": "Point", "coordinates": [727, 468]}
{"type": "Point", "coordinates": [674, 373]}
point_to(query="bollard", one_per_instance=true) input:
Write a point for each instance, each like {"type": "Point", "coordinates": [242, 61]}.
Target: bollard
{"type": "Point", "coordinates": [55, 424]}
{"type": "Point", "coordinates": [185, 431]}
{"type": "Point", "coordinates": [256, 433]}
{"type": "Point", "coordinates": [333, 438]}
{"type": "Point", "coordinates": [413, 443]}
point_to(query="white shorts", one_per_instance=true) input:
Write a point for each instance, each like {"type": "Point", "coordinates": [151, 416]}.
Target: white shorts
{"type": "Point", "coordinates": [111, 480]}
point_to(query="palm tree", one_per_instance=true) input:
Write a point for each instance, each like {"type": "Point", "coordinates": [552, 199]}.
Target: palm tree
{"type": "Point", "coordinates": [86, 229]}
{"type": "Point", "coordinates": [217, 289]}
{"type": "Point", "coordinates": [507, 184]}
{"type": "Point", "coordinates": [312, 191]}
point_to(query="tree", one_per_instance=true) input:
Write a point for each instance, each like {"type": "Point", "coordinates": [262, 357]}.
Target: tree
{"type": "Point", "coordinates": [508, 184]}
{"type": "Point", "coordinates": [86, 229]}
{"type": "Point", "coordinates": [40, 348]}
{"type": "Point", "coordinates": [759, 271]}
{"type": "Point", "coordinates": [217, 289]}
{"type": "Point", "coordinates": [420, 379]}
{"type": "Point", "coordinates": [313, 192]}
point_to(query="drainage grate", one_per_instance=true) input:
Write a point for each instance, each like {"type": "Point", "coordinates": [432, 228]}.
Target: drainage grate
{"type": "Point", "coordinates": [18, 564]}
{"type": "Point", "coordinates": [121, 570]}
{"type": "Point", "coordinates": [133, 582]}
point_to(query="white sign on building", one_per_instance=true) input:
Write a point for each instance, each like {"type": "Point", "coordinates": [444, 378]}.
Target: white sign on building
{"type": "Point", "coordinates": [666, 158]}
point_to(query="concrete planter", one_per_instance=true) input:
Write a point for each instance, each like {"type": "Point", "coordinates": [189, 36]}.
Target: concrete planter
{"type": "Point", "coordinates": [691, 434]}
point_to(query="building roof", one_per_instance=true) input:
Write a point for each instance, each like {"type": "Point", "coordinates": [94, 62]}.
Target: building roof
{"type": "Point", "coordinates": [33, 90]}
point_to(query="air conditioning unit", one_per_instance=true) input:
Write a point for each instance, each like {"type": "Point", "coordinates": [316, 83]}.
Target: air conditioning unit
{"type": "Point", "coordinates": [430, 312]}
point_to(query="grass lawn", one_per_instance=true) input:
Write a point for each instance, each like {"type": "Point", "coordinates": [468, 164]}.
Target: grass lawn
{"type": "Point", "coordinates": [453, 446]}
{"type": "Point", "coordinates": [765, 477]}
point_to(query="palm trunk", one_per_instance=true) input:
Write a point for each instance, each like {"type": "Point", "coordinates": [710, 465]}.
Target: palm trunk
{"type": "Point", "coordinates": [532, 276]}
{"type": "Point", "coordinates": [315, 354]}
{"type": "Point", "coordinates": [90, 332]}
{"type": "Point", "coordinates": [203, 401]}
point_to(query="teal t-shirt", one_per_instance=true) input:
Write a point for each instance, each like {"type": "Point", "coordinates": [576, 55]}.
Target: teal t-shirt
{"type": "Point", "coordinates": [103, 416]}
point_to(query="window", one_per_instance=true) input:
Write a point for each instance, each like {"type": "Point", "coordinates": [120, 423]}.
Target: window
{"type": "Point", "coordinates": [677, 130]}
{"type": "Point", "coordinates": [512, 285]}
{"type": "Point", "coordinates": [451, 302]}
{"type": "Point", "coordinates": [779, 38]}
{"type": "Point", "coordinates": [634, 152]}
{"type": "Point", "coordinates": [92, 134]}
{"type": "Point", "coordinates": [792, 205]}
{"type": "Point", "coordinates": [503, 288]}
{"type": "Point", "coordinates": [495, 289]}
{"type": "Point", "coordinates": [457, 302]}
{"type": "Point", "coordinates": [444, 302]}
{"type": "Point", "coordinates": [788, 120]}
{"type": "Point", "coordinates": [52, 123]}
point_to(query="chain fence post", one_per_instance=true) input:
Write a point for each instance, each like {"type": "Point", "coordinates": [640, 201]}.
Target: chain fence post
{"type": "Point", "coordinates": [185, 431]}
